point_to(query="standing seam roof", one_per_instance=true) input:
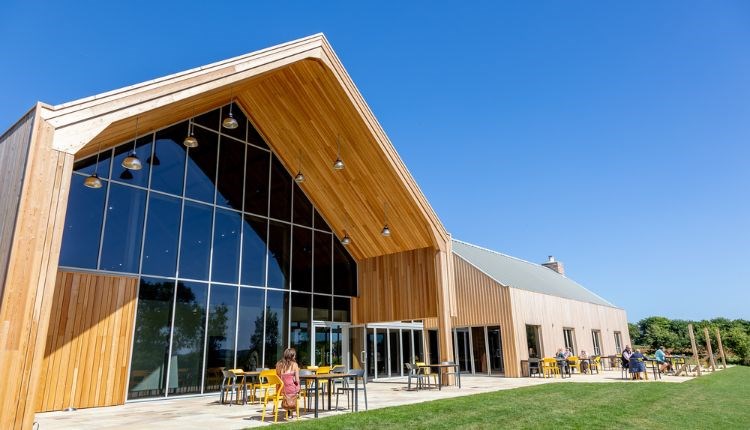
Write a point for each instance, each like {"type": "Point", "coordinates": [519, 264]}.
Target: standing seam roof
{"type": "Point", "coordinates": [524, 275]}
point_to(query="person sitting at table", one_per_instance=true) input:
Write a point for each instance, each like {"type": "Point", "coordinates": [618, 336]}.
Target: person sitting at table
{"type": "Point", "coordinates": [637, 364]}
{"type": "Point", "coordinates": [288, 371]}
{"type": "Point", "coordinates": [625, 358]}
{"type": "Point", "coordinates": [560, 354]}
{"type": "Point", "coordinates": [562, 361]}
{"type": "Point", "coordinates": [584, 364]}
{"type": "Point", "coordinates": [661, 360]}
{"type": "Point", "coordinates": [567, 353]}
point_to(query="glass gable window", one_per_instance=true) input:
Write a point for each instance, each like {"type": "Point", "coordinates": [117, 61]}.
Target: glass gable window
{"type": "Point", "coordinates": [228, 250]}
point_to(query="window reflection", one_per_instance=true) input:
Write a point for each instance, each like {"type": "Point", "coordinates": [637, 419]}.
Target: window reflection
{"type": "Point", "coordinates": [162, 233]}
{"type": "Point", "coordinates": [303, 209]}
{"type": "Point", "coordinates": [83, 225]}
{"type": "Point", "coordinates": [121, 249]}
{"type": "Point", "coordinates": [299, 336]}
{"type": "Point", "coordinates": [344, 271]}
{"type": "Point", "coordinates": [281, 191]}
{"type": "Point", "coordinates": [222, 312]}
{"type": "Point", "coordinates": [254, 250]}
{"type": "Point", "coordinates": [323, 262]}
{"type": "Point", "coordinates": [226, 255]}
{"type": "Point", "coordinates": [302, 253]}
{"type": "Point", "coordinates": [88, 165]}
{"type": "Point", "coordinates": [277, 319]}
{"type": "Point", "coordinates": [148, 366]}
{"type": "Point", "coordinates": [195, 250]}
{"type": "Point", "coordinates": [201, 166]}
{"type": "Point", "coordinates": [187, 338]}
{"type": "Point", "coordinates": [250, 328]}
{"type": "Point", "coordinates": [256, 181]}
{"type": "Point", "coordinates": [169, 172]}
{"type": "Point", "coordinates": [278, 254]}
{"type": "Point", "coordinates": [231, 170]}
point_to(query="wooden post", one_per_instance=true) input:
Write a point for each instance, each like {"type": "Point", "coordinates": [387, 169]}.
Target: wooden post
{"type": "Point", "coordinates": [443, 266]}
{"type": "Point", "coordinates": [695, 349]}
{"type": "Point", "coordinates": [721, 349]}
{"type": "Point", "coordinates": [26, 300]}
{"type": "Point", "coordinates": [710, 362]}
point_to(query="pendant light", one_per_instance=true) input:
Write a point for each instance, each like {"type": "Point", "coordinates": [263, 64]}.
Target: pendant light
{"type": "Point", "coordinates": [338, 164]}
{"type": "Point", "coordinates": [190, 141]}
{"type": "Point", "coordinates": [300, 178]}
{"type": "Point", "coordinates": [93, 181]}
{"type": "Point", "coordinates": [386, 232]}
{"type": "Point", "coordinates": [346, 240]}
{"type": "Point", "coordinates": [131, 162]}
{"type": "Point", "coordinates": [229, 122]}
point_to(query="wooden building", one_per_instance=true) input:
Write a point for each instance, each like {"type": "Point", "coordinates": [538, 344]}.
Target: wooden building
{"type": "Point", "coordinates": [153, 234]}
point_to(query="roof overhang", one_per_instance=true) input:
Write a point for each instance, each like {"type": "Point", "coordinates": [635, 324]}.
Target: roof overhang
{"type": "Point", "coordinates": [301, 99]}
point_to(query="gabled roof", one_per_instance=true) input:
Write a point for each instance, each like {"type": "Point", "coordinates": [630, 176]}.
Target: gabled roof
{"type": "Point", "coordinates": [302, 101]}
{"type": "Point", "coordinates": [516, 273]}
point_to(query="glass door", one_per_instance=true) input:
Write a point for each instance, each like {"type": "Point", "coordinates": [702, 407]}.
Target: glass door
{"type": "Point", "coordinates": [479, 350]}
{"type": "Point", "coordinates": [463, 353]}
{"type": "Point", "coordinates": [495, 344]}
{"type": "Point", "coordinates": [394, 354]}
{"type": "Point", "coordinates": [380, 353]}
{"type": "Point", "coordinates": [330, 344]}
{"type": "Point", "coordinates": [357, 346]}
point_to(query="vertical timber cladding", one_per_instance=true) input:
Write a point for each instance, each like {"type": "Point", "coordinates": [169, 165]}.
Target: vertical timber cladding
{"type": "Point", "coordinates": [89, 342]}
{"type": "Point", "coordinates": [482, 301]}
{"type": "Point", "coordinates": [14, 149]}
{"type": "Point", "coordinates": [30, 278]}
{"type": "Point", "coordinates": [396, 287]}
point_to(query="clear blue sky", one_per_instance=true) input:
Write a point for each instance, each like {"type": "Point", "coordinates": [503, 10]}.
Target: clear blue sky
{"type": "Point", "coordinates": [614, 136]}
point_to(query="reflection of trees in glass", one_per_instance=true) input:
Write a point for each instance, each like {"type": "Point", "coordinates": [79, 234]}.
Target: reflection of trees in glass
{"type": "Point", "coordinates": [217, 330]}
{"type": "Point", "coordinates": [151, 337]}
{"type": "Point", "coordinates": [188, 321]}
{"type": "Point", "coordinates": [272, 335]}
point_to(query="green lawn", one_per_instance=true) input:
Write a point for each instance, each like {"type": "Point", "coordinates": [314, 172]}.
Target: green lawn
{"type": "Point", "coordinates": [717, 401]}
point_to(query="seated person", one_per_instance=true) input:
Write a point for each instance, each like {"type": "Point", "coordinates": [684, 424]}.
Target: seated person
{"type": "Point", "coordinates": [625, 358]}
{"type": "Point", "coordinates": [584, 364]}
{"type": "Point", "coordinates": [562, 361]}
{"type": "Point", "coordinates": [664, 365]}
{"type": "Point", "coordinates": [636, 364]}
{"type": "Point", "coordinates": [567, 353]}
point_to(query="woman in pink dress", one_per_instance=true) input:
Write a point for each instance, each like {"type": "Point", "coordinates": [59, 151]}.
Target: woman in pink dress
{"type": "Point", "coordinates": [288, 371]}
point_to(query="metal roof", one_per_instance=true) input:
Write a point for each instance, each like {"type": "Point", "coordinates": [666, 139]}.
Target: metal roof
{"type": "Point", "coordinates": [516, 273]}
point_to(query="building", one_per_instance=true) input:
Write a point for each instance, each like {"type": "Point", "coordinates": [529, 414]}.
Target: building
{"type": "Point", "coordinates": [154, 234]}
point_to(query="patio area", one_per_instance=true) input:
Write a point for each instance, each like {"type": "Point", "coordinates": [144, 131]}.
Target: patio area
{"type": "Point", "coordinates": [206, 412]}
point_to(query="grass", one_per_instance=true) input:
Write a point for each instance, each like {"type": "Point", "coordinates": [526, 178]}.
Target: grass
{"type": "Point", "coordinates": [719, 401]}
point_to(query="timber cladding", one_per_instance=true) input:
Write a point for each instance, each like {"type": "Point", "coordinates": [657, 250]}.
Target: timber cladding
{"type": "Point", "coordinates": [482, 301]}
{"type": "Point", "coordinates": [89, 342]}
{"type": "Point", "coordinates": [396, 287]}
{"type": "Point", "coordinates": [14, 149]}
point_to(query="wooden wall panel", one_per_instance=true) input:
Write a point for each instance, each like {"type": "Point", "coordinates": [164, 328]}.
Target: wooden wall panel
{"type": "Point", "coordinates": [88, 346]}
{"type": "Point", "coordinates": [555, 313]}
{"type": "Point", "coordinates": [396, 287]}
{"type": "Point", "coordinates": [30, 279]}
{"type": "Point", "coordinates": [481, 301]}
{"type": "Point", "coordinates": [14, 149]}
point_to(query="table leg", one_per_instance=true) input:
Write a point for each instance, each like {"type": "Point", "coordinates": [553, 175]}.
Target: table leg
{"type": "Point", "coordinates": [316, 398]}
{"type": "Point", "coordinates": [356, 394]}
{"type": "Point", "coordinates": [458, 375]}
{"type": "Point", "coordinates": [440, 379]}
{"type": "Point", "coordinates": [330, 386]}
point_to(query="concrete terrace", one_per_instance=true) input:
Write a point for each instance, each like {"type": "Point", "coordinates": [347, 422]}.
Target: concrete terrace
{"type": "Point", "coordinates": [205, 412]}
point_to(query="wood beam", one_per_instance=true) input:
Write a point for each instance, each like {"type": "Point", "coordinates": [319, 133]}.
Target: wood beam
{"type": "Point", "coordinates": [30, 281]}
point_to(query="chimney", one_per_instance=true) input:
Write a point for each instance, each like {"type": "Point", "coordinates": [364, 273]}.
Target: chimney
{"type": "Point", "coordinates": [554, 265]}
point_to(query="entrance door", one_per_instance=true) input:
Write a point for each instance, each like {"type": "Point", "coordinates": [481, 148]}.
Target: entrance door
{"type": "Point", "coordinates": [479, 350]}
{"type": "Point", "coordinates": [463, 352]}
{"type": "Point", "coordinates": [330, 344]}
{"type": "Point", "coordinates": [394, 355]}
{"type": "Point", "coordinates": [496, 350]}
{"type": "Point", "coordinates": [358, 348]}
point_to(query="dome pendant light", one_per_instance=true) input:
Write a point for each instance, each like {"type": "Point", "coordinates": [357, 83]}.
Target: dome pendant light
{"type": "Point", "coordinates": [131, 162]}
{"type": "Point", "coordinates": [229, 122]}
{"type": "Point", "coordinates": [386, 232]}
{"type": "Point", "coordinates": [300, 178]}
{"type": "Point", "coordinates": [346, 240]}
{"type": "Point", "coordinates": [93, 181]}
{"type": "Point", "coordinates": [190, 141]}
{"type": "Point", "coordinates": [338, 164]}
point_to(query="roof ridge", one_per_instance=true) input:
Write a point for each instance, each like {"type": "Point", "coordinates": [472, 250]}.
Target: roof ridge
{"type": "Point", "coordinates": [505, 255]}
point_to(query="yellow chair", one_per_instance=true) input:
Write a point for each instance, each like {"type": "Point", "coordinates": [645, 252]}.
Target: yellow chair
{"type": "Point", "coordinates": [550, 367]}
{"type": "Point", "coordinates": [428, 373]}
{"type": "Point", "coordinates": [596, 364]}
{"type": "Point", "coordinates": [323, 386]}
{"type": "Point", "coordinates": [275, 394]}
{"type": "Point", "coordinates": [574, 363]}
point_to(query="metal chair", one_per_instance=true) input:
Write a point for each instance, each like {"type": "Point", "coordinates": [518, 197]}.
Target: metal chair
{"type": "Point", "coordinates": [348, 388]}
{"type": "Point", "coordinates": [414, 372]}
{"type": "Point", "coordinates": [228, 382]}
{"type": "Point", "coordinates": [535, 368]}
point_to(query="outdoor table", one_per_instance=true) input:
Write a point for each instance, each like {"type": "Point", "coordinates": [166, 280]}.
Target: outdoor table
{"type": "Point", "coordinates": [244, 376]}
{"type": "Point", "coordinates": [330, 377]}
{"type": "Point", "coordinates": [440, 368]}
{"type": "Point", "coordinates": [585, 360]}
{"type": "Point", "coordinates": [562, 363]}
{"type": "Point", "coordinates": [655, 364]}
